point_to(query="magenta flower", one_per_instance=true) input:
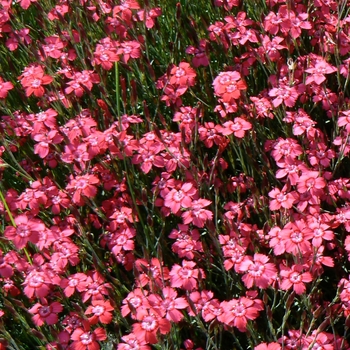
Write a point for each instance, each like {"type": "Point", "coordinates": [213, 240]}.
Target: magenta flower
{"type": "Point", "coordinates": [45, 313]}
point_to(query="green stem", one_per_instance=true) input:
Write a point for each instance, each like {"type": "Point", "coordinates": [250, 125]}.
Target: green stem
{"type": "Point", "coordinates": [117, 90]}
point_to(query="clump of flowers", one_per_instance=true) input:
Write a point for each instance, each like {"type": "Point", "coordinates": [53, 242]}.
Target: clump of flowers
{"type": "Point", "coordinates": [174, 175]}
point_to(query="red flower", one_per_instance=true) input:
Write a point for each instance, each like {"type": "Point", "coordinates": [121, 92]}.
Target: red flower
{"type": "Point", "coordinates": [77, 281]}
{"type": "Point", "coordinates": [200, 57]}
{"type": "Point", "coordinates": [96, 287]}
{"type": "Point", "coordinates": [53, 47]}
{"type": "Point", "coordinates": [318, 72]}
{"type": "Point", "coordinates": [197, 214]}
{"type": "Point", "coordinates": [268, 346]}
{"type": "Point", "coordinates": [5, 87]}
{"type": "Point", "coordinates": [26, 230]}
{"type": "Point", "coordinates": [45, 313]}
{"type": "Point", "coordinates": [282, 199]}
{"type": "Point", "coordinates": [86, 340]}
{"type": "Point", "coordinates": [286, 94]}
{"type": "Point", "coordinates": [148, 327]}
{"type": "Point", "coordinates": [82, 185]}
{"type": "Point", "coordinates": [237, 312]}
{"type": "Point", "coordinates": [45, 139]}
{"type": "Point", "coordinates": [169, 305]}
{"type": "Point", "coordinates": [132, 343]}
{"type": "Point", "coordinates": [152, 273]}
{"type": "Point", "coordinates": [183, 75]}
{"type": "Point", "coordinates": [310, 181]}
{"type": "Point", "coordinates": [259, 272]}
{"type": "Point", "coordinates": [37, 283]}
{"type": "Point", "coordinates": [148, 17]}
{"type": "Point", "coordinates": [181, 198]}
{"type": "Point", "coordinates": [32, 80]}
{"type": "Point", "coordinates": [81, 81]}
{"type": "Point", "coordinates": [295, 237]}
{"type": "Point", "coordinates": [185, 276]}
{"type": "Point", "coordinates": [129, 49]}
{"type": "Point", "coordinates": [227, 85]}
{"type": "Point", "coordinates": [294, 277]}
{"type": "Point", "coordinates": [101, 311]}
{"type": "Point", "coordinates": [237, 127]}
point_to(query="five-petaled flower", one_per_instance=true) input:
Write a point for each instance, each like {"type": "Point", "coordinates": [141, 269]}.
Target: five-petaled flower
{"type": "Point", "coordinates": [26, 230]}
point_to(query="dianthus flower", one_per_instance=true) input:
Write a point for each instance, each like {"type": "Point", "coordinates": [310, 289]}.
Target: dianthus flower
{"type": "Point", "coordinates": [237, 312]}
{"type": "Point", "coordinates": [185, 276]}
{"type": "Point", "coordinates": [45, 313]}
{"type": "Point", "coordinates": [258, 272]}
{"type": "Point", "coordinates": [294, 277]}
{"type": "Point", "coordinates": [26, 230]}
{"type": "Point", "coordinates": [228, 85]}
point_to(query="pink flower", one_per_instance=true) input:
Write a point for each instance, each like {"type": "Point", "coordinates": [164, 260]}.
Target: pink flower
{"type": "Point", "coordinates": [318, 72]}
{"type": "Point", "coordinates": [197, 214]}
{"type": "Point", "coordinates": [131, 342]}
{"type": "Point", "coordinates": [169, 305]}
{"type": "Point", "coordinates": [310, 181]}
{"type": "Point", "coordinates": [259, 273]}
{"type": "Point", "coordinates": [37, 283]}
{"type": "Point", "coordinates": [26, 230]}
{"type": "Point", "coordinates": [286, 94]}
{"type": "Point", "coordinates": [237, 312]}
{"type": "Point", "coordinates": [183, 75]}
{"type": "Point", "coordinates": [45, 313]}
{"type": "Point", "coordinates": [129, 49]}
{"type": "Point", "coordinates": [295, 237]}
{"type": "Point", "coordinates": [81, 81]}
{"type": "Point", "coordinates": [227, 85]}
{"type": "Point", "coordinates": [83, 185]}
{"type": "Point", "coordinates": [282, 199]}
{"type": "Point", "coordinates": [100, 311]}
{"type": "Point", "coordinates": [268, 346]}
{"type": "Point", "coordinates": [237, 127]}
{"type": "Point", "coordinates": [84, 339]}
{"type": "Point", "coordinates": [200, 58]}
{"type": "Point", "coordinates": [149, 326]}
{"type": "Point", "coordinates": [288, 148]}
{"type": "Point", "coordinates": [5, 87]}
{"type": "Point", "coordinates": [181, 198]}
{"type": "Point", "coordinates": [135, 301]}
{"type": "Point", "coordinates": [153, 273]}
{"type": "Point", "coordinates": [294, 277]}
{"type": "Point", "coordinates": [74, 282]}
{"type": "Point", "coordinates": [343, 121]}
{"type": "Point", "coordinates": [185, 276]}
{"type": "Point", "coordinates": [33, 78]}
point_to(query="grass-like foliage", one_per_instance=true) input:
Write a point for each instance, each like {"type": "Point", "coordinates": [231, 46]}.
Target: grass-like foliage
{"type": "Point", "coordinates": [174, 175]}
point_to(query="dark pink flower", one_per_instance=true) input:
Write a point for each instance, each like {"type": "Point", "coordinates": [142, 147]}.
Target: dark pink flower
{"type": "Point", "coordinates": [45, 313]}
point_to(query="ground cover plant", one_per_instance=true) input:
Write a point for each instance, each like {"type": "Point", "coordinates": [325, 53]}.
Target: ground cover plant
{"type": "Point", "coordinates": [174, 174]}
